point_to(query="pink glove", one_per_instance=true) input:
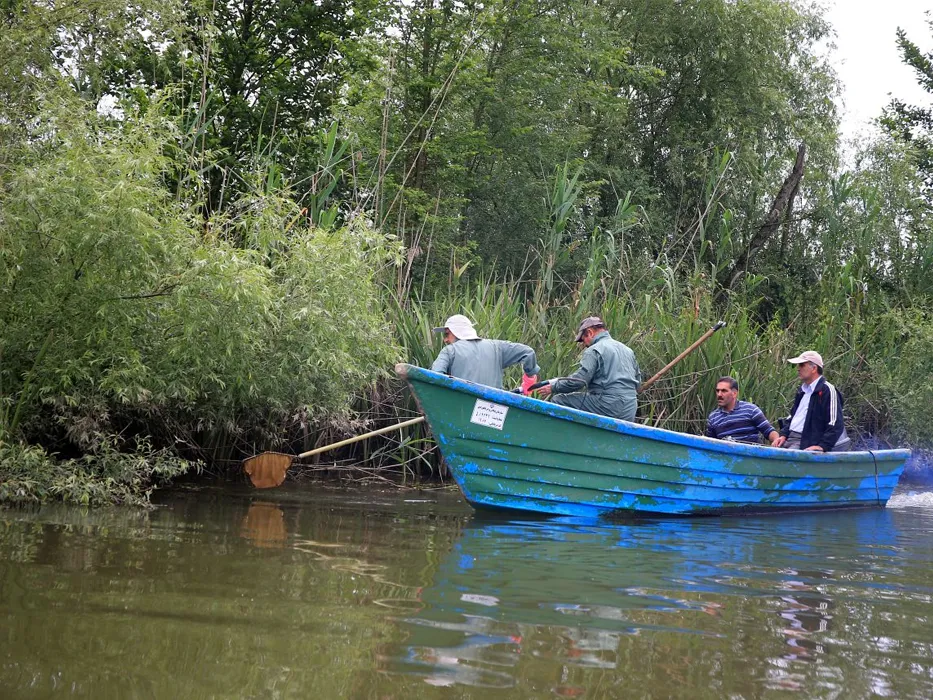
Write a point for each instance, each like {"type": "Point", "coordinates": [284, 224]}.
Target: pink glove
{"type": "Point", "coordinates": [527, 382]}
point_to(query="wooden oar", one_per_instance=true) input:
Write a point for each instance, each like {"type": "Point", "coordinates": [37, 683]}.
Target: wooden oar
{"type": "Point", "coordinates": [268, 469]}
{"type": "Point", "coordinates": [664, 370]}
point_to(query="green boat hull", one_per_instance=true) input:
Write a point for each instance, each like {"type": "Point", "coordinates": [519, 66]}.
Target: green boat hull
{"type": "Point", "coordinates": [508, 451]}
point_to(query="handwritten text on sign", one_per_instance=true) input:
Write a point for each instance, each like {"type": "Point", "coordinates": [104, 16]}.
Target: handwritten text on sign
{"type": "Point", "coordinates": [492, 415]}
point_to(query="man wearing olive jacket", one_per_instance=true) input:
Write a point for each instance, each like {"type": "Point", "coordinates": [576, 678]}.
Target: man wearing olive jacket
{"type": "Point", "coordinates": [816, 423]}
{"type": "Point", "coordinates": [608, 379]}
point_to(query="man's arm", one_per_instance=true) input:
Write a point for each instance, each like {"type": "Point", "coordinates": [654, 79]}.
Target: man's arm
{"type": "Point", "coordinates": [834, 419]}
{"type": "Point", "coordinates": [785, 431]}
{"type": "Point", "coordinates": [764, 427]}
{"type": "Point", "coordinates": [443, 361]}
{"type": "Point", "coordinates": [513, 353]}
{"type": "Point", "coordinates": [579, 380]}
{"type": "Point", "coordinates": [785, 428]}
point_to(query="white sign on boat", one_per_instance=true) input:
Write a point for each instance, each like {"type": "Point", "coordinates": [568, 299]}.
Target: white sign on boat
{"type": "Point", "coordinates": [492, 415]}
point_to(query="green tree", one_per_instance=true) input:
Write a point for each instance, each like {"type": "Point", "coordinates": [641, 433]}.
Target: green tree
{"type": "Point", "coordinates": [252, 81]}
{"type": "Point", "coordinates": [153, 324]}
{"type": "Point", "coordinates": [74, 42]}
{"type": "Point", "coordinates": [913, 124]}
{"type": "Point", "coordinates": [475, 107]}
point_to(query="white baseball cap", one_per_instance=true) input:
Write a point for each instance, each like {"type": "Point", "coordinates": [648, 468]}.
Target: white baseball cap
{"type": "Point", "coordinates": [808, 356]}
{"type": "Point", "coordinates": [460, 326]}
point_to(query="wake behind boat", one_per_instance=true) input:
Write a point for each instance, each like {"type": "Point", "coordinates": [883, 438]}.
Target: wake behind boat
{"type": "Point", "coordinates": [509, 451]}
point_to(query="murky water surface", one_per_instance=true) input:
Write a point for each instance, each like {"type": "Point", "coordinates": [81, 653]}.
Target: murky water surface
{"type": "Point", "coordinates": [307, 591]}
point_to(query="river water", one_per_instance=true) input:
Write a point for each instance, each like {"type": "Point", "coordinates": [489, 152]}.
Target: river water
{"type": "Point", "coordinates": [313, 591]}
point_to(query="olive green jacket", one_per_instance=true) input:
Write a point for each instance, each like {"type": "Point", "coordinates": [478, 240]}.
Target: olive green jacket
{"type": "Point", "coordinates": [610, 376]}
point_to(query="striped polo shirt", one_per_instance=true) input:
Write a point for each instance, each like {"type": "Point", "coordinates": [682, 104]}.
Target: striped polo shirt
{"type": "Point", "coordinates": [741, 424]}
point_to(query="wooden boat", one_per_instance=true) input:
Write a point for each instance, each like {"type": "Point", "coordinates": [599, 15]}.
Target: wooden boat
{"type": "Point", "coordinates": [508, 451]}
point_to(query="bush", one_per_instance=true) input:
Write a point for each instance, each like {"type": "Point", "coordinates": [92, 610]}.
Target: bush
{"type": "Point", "coordinates": [157, 325]}
{"type": "Point", "coordinates": [29, 474]}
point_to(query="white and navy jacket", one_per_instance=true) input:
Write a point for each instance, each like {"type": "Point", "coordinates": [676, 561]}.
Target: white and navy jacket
{"type": "Point", "coordinates": [823, 425]}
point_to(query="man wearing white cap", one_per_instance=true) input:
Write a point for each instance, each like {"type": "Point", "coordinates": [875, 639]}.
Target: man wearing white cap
{"type": "Point", "coordinates": [478, 360]}
{"type": "Point", "coordinates": [816, 421]}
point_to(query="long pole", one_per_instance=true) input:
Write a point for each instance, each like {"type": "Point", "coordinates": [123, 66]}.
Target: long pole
{"type": "Point", "coordinates": [699, 341]}
{"type": "Point", "coordinates": [350, 441]}
{"type": "Point", "coordinates": [268, 469]}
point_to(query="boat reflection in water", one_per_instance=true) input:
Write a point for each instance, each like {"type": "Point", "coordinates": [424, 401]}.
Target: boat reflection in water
{"type": "Point", "coordinates": [659, 604]}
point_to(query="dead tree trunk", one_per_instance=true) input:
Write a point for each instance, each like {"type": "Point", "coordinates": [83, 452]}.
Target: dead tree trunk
{"type": "Point", "coordinates": [771, 224]}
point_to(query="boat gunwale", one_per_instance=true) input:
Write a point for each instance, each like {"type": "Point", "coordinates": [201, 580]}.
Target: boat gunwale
{"type": "Point", "coordinates": [500, 396]}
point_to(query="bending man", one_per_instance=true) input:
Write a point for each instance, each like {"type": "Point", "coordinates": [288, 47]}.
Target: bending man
{"type": "Point", "coordinates": [608, 378]}
{"type": "Point", "coordinates": [737, 421]}
{"type": "Point", "coordinates": [478, 360]}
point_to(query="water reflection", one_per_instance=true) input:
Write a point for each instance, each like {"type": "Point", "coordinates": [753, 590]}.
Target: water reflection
{"type": "Point", "coordinates": [807, 615]}
{"type": "Point", "coordinates": [551, 591]}
{"type": "Point", "coordinates": [264, 525]}
{"type": "Point", "coordinates": [468, 652]}
{"type": "Point", "coordinates": [661, 602]}
{"type": "Point", "coordinates": [353, 595]}
{"type": "Point", "coordinates": [212, 594]}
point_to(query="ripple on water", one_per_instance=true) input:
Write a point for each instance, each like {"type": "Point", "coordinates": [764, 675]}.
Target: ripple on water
{"type": "Point", "coordinates": [922, 499]}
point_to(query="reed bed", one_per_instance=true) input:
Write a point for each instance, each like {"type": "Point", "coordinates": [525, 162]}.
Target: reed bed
{"type": "Point", "coordinates": [657, 328]}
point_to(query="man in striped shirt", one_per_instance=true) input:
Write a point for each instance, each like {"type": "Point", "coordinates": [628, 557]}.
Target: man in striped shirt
{"type": "Point", "coordinates": [737, 421]}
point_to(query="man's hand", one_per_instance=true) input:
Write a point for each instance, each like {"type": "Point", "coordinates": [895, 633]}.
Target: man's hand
{"type": "Point", "coordinates": [527, 381]}
{"type": "Point", "coordinates": [814, 448]}
{"type": "Point", "coordinates": [779, 442]}
{"type": "Point", "coordinates": [544, 391]}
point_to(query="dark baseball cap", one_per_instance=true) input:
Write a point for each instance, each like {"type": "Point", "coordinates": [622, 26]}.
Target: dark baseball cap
{"type": "Point", "coordinates": [588, 322]}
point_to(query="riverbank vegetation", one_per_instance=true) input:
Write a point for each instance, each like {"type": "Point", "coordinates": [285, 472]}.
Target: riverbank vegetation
{"type": "Point", "coordinates": [221, 225]}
